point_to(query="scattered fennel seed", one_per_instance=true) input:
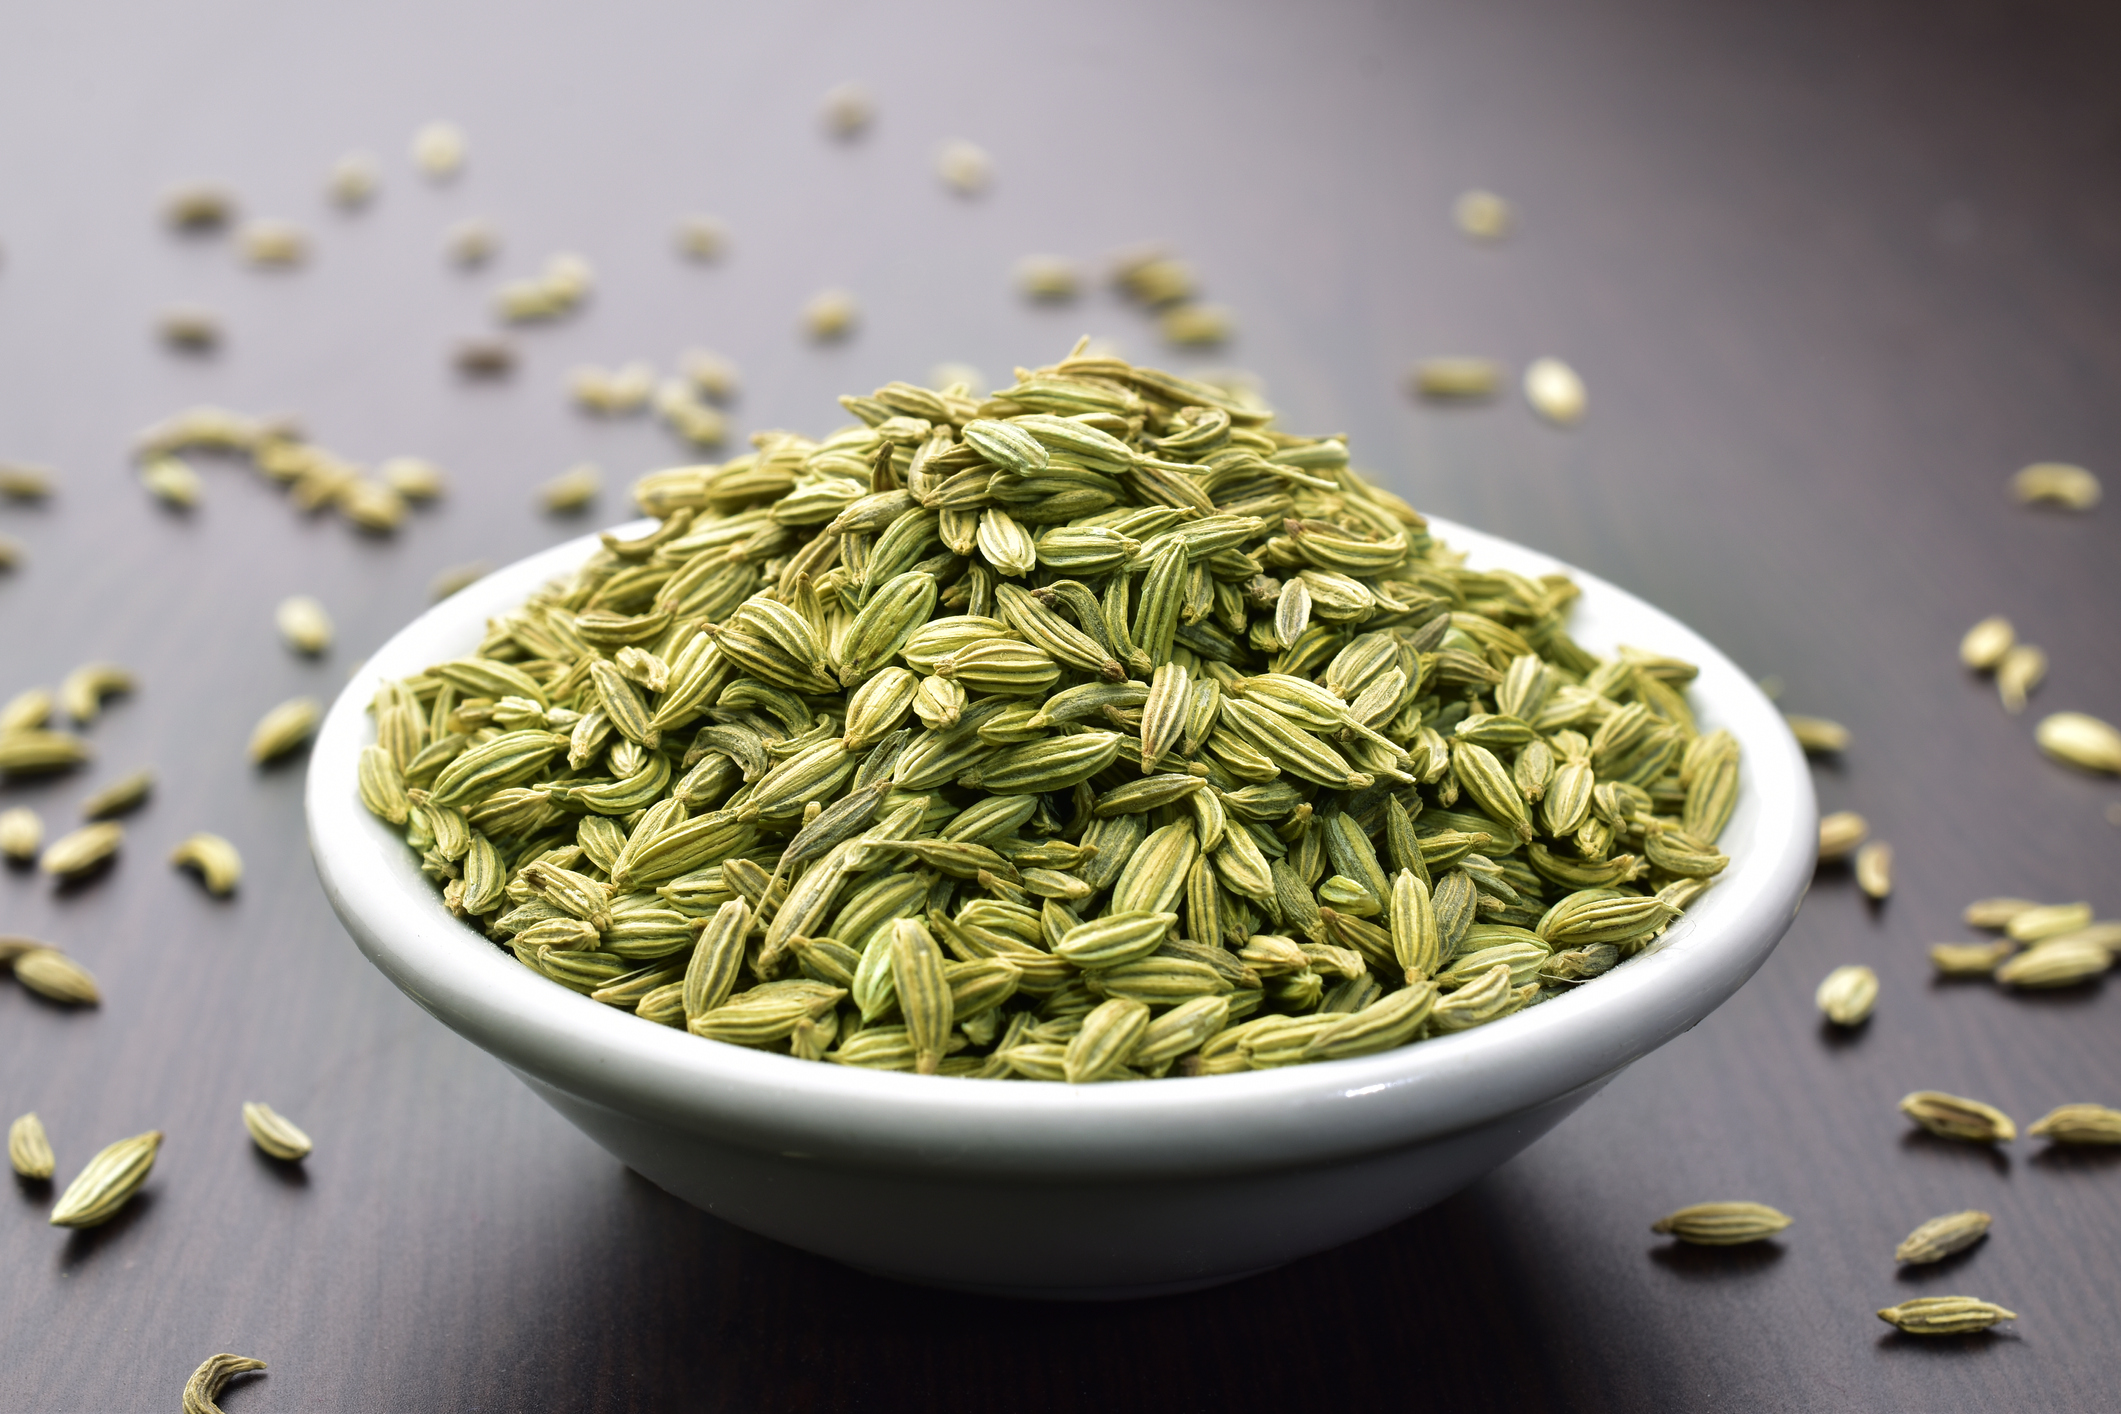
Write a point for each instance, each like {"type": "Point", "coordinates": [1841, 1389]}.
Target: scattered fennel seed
{"type": "Point", "coordinates": [471, 242]}
{"type": "Point", "coordinates": [2081, 740]}
{"type": "Point", "coordinates": [702, 238]}
{"type": "Point", "coordinates": [848, 110]}
{"type": "Point", "coordinates": [1456, 379]}
{"type": "Point", "coordinates": [965, 167]}
{"type": "Point", "coordinates": [199, 207]}
{"type": "Point", "coordinates": [1482, 215]}
{"type": "Point", "coordinates": [1986, 643]}
{"type": "Point", "coordinates": [1555, 391]}
{"type": "Point", "coordinates": [191, 330]}
{"type": "Point", "coordinates": [438, 150]}
{"type": "Point", "coordinates": [1048, 277]}
{"type": "Point", "coordinates": [303, 624]}
{"type": "Point", "coordinates": [2057, 484]}
{"type": "Point", "coordinates": [273, 243]}
{"type": "Point", "coordinates": [354, 179]}
{"type": "Point", "coordinates": [830, 316]}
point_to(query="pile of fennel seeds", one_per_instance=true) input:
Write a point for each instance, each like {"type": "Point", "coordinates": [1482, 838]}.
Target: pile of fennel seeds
{"type": "Point", "coordinates": [1095, 731]}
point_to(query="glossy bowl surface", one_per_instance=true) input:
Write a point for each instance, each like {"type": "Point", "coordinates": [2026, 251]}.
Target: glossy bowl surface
{"type": "Point", "coordinates": [1046, 1189]}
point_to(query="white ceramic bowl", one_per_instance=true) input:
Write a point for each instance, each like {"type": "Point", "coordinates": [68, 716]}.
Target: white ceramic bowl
{"type": "Point", "coordinates": [1055, 1190]}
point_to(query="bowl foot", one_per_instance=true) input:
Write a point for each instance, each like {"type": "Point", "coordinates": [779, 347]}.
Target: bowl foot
{"type": "Point", "coordinates": [1137, 1292]}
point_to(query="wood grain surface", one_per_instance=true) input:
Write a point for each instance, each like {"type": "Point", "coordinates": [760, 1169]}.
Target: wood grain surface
{"type": "Point", "coordinates": [1832, 271]}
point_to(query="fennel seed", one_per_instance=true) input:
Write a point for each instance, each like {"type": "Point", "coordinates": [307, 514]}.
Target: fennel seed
{"type": "Point", "coordinates": [1482, 215]}
{"type": "Point", "coordinates": [2057, 484]}
{"type": "Point", "coordinates": [438, 149]}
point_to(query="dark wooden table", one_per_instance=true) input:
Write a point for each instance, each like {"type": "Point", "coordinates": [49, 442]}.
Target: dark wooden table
{"type": "Point", "coordinates": [1832, 272]}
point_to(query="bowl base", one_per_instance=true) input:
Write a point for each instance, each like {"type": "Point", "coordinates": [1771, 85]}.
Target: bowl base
{"type": "Point", "coordinates": [1139, 1292]}
{"type": "Point", "coordinates": [1036, 1239]}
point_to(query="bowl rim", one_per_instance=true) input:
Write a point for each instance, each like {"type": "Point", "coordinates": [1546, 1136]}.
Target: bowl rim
{"type": "Point", "coordinates": [1193, 1125]}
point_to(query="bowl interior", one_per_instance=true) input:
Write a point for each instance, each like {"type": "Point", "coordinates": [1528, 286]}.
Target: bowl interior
{"type": "Point", "coordinates": [1196, 1124]}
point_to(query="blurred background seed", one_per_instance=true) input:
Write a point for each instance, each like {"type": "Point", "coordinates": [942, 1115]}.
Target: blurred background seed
{"type": "Point", "coordinates": [571, 490]}
{"type": "Point", "coordinates": [1048, 277]}
{"type": "Point", "coordinates": [79, 853]}
{"type": "Point", "coordinates": [965, 166]}
{"type": "Point", "coordinates": [1195, 325]}
{"type": "Point", "coordinates": [1456, 378]}
{"type": "Point", "coordinates": [1874, 869]}
{"type": "Point", "coordinates": [1986, 643]}
{"type": "Point", "coordinates": [303, 623]}
{"type": "Point", "coordinates": [1555, 391]}
{"type": "Point", "coordinates": [702, 238]}
{"type": "Point", "coordinates": [371, 504]}
{"type": "Point", "coordinates": [29, 753]}
{"type": "Point", "coordinates": [412, 478]}
{"type": "Point", "coordinates": [848, 110]}
{"type": "Point", "coordinates": [199, 207]}
{"type": "Point", "coordinates": [171, 481]}
{"type": "Point", "coordinates": [284, 728]}
{"type": "Point", "coordinates": [2081, 740]}
{"type": "Point", "coordinates": [471, 242]}
{"type": "Point", "coordinates": [82, 691]}
{"type": "Point", "coordinates": [1840, 833]}
{"type": "Point", "coordinates": [354, 179]}
{"type": "Point", "coordinates": [1152, 276]}
{"type": "Point", "coordinates": [2020, 670]}
{"type": "Point", "coordinates": [19, 482]}
{"type": "Point", "coordinates": [26, 710]}
{"type": "Point", "coordinates": [1482, 215]}
{"type": "Point", "coordinates": [713, 376]}
{"type": "Point", "coordinates": [274, 244]}
{"type": "Point", "coordinates": [21, 834]}
{"type": "Point", "coordinates": [830, 315]}
{"type": "Point", "coordinates": [1817, 735]}
{"type": "Point", "coordinates": [2057, 484]}
{"type": "Point", "coordinates": [121, 796]}
{"type": "Point", "coordinates": [1969, 959]}
{"type": "Point", "coordinates": [485, 358]}
{"type": "Point", "coordinates": [189, 330]}
{"type": "Point", "coordinates": [438, 150]}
